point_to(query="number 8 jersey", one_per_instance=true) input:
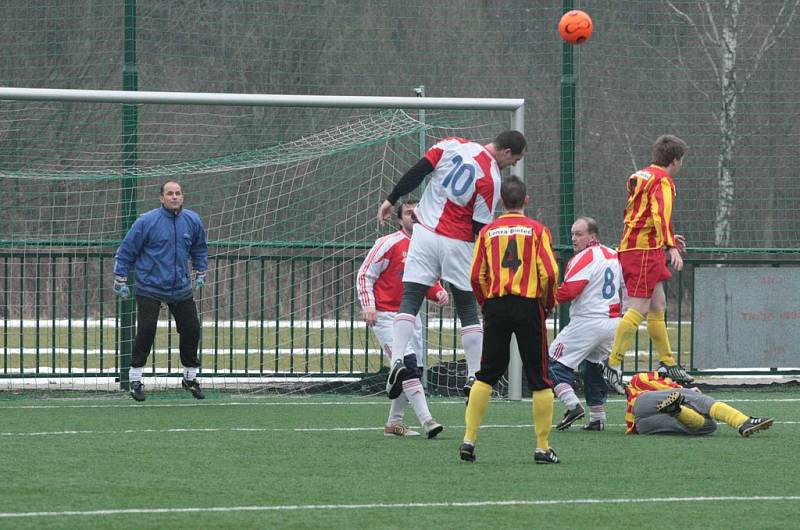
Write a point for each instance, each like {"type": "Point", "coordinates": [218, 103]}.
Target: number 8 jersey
{"type": "Point", "coordinates": [592, 283]}
{"type": "Point", "coordinates": [464, 186]}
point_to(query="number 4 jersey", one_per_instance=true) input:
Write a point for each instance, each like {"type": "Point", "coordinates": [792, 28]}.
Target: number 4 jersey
{"type": "Point", "coordinates": [591, 282]}
{"type": "Point", "coordinates": [514, 256]}
{"type": "Point", "coordinates": [464, 185]}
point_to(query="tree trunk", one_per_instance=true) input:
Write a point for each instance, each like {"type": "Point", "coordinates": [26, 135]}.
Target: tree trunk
{"type": "Point", "coordinates": [727, 126]}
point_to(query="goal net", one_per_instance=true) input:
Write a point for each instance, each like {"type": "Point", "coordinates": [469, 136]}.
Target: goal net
{"type": "Point", "coordinates": [288, 196]}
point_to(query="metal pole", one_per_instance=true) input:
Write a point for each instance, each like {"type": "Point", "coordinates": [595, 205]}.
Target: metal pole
{"type": "Point", "coordinates": [567, 183]}
{"type": "Point", "coordinates": [130, 82]}
{"type": "Point", "coordinates": [515, 361]}
{"type": "Point", "coordinates": [420, 93]}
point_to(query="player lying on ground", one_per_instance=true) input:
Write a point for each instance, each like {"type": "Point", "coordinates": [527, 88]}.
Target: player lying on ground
{"type": "Point", "coordinates": [658, 405]}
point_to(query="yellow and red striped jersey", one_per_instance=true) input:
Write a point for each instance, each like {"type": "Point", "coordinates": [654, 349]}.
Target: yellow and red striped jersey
{"type": "Point", "coordinates": [648, 214]}
{"type": "Point", "coordinates": [639, 384]}
{"type": "Point", "coordinates": [514, 256]}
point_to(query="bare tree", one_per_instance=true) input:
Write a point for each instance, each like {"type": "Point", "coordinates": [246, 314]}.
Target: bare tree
{"type": "Point", "coordinates": [720, 35]}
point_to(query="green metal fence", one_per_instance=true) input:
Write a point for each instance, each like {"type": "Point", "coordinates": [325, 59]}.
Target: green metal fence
{"type": "Point", "coordinates": [59, 319]}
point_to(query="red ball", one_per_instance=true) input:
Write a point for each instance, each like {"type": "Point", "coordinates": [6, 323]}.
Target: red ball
{"type": "Point", "coordinates": [575, 26]}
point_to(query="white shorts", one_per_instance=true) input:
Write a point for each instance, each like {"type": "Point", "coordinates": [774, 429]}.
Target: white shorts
{"type": "Point", "coordinates": [432, 256]}
{"type": "Point", "coordinates": [584, 338]}
{"type": "Point", "coordinates": [383, 330]}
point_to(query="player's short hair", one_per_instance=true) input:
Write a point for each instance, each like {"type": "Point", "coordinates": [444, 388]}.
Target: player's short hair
{"type": "Point", "coordinates": [591, 224]}
{"type": "Point", "coordinates": [513, 140]}
{"type": "Point", "coordinates": [398, 208]}
{"type": "Point", "coordinates": [513, 192]}
{"type": "Point", "coordinates": [165, 184]}
{"type": "Point", "coordinates": [667, 148]}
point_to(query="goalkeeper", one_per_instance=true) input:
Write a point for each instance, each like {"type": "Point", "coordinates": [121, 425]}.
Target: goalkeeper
{"type": "Point", "coordinates": [158, 247]}
{"type": "Point", "coordinates": [658, 405]}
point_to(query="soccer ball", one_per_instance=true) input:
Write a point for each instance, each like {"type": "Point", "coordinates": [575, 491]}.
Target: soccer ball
{"type": "Point", "coordinates": [575, 26]}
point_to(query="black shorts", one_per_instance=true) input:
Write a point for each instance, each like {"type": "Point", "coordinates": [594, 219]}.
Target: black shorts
{"type": "Point", "coordinates": [524, 317]}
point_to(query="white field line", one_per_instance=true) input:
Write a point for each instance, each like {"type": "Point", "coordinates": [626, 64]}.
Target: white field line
{"type": "Point", "coordinates": [400, 505]}
{"type": "Point", "coordinates": [117, 398]}
{"type": "Point", "coordinates": [265, 429]}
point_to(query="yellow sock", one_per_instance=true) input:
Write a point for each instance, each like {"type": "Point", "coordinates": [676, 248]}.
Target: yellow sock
{"type": "Point", "coordinates": [657, 329]}
{"type": "Point", "coordinates": [723, 412]}
{"type": "Point", "coordinates": [692, 419]}
{"type": "Point", "coordinates": [542, 416]}
{"type": "Point", "coordinates": [476, 407]}
{"type": "Point", "coordinates": [623, 338]}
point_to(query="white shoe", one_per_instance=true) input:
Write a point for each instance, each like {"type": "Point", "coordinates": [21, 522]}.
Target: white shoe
{"type": "Point", "coordinates": [613, 378]}
{"type": "Point", "coordinates": [432, 428]}
{"type": "Point", "coordinates": [398, 429]}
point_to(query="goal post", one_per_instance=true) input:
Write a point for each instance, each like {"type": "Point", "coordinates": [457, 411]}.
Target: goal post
{"type": "Point", "coordinates": [249, 171]}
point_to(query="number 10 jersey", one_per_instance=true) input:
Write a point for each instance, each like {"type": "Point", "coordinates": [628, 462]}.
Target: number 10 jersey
{"type": "Point", "coordinates": [464, 186]}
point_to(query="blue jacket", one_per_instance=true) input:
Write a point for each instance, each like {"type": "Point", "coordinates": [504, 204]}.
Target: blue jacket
{"type": "Point", "coordinates": [160, 244]}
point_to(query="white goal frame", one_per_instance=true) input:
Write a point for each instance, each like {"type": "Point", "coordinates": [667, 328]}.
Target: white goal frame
{"type": "Point", "coordinates": [516, 106]}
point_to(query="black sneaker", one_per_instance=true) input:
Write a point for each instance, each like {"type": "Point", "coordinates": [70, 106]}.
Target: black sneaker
{"type": "Point", "coordinates": [595, 425]}
{"type": "Point", "coordinates": [468, 388]}
{"type": "Point", "coordinates": [545, 457]}
{"type": "Point", "coordinates": [676, 372]}
{"type": "Point", "coordinates": [194, 387]}
{"type": "Point", "coordinates": [671, 404]}
{"type": "Point", "coordinates": [612, 375]}
{"type": "Point", "coordinates": [467, 452]}
{"type": "Point", "coordinates": [137, 390]}
{"type": "Point", "coordinates": [752, 425]}
{"type": "Point", "coordinates": [394, 383]}
{"type": "Point", "coordinates": [570, 417]}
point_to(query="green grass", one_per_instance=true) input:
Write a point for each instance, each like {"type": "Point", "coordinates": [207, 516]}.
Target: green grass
{"type": "Point", "coordinates": [276, 453]}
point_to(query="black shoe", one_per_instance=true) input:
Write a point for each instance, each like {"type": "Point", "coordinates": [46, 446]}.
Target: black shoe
{"type": "Point", "coordinates": [595, 425]}
{"type": "Point", "coordinates": [752, 425]}
{"type": "Point", "coordinates": [467, 452]}
{"type": "Point", "coordinates": [194, 387]}
{"type": "Point", "coordinates": [394, 383]}
{"type": "Point", "coordinates": [671, 404]}
{"type": "Point", "coordinates": [137, 390]}
{"type": "Point", "coordinates": [468, 385]}
{"type": "Point", "coordinates": [545, 457]}
{"type": "Point", "coordinates": [676, 372]}
{"type": "Point", "coordinates": [570, 417]}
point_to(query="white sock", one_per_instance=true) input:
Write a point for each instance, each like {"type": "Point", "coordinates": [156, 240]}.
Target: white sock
{"type": "Point", "coordinates": [566, 394]}
{"type": "Point", "coordinates": [472, 341]}
{"type": "Point", "coordinates": [597, 412]}
{"type": "Point", "coordinates": [402, 330]}
{"type": "Point", "coordinates": [135, 374]}
{"type": "Point", "coordinates": [189, 373]}
{"type": "Point", "coordinates": [398, 409]}
{"type": "Point", "coordinates": [412, 388]}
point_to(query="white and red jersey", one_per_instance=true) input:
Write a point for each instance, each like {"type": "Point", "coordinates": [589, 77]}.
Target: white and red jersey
{"type": "Point", "coordinates": [591, 282]}
{"type": "Point", "coordinates": [464, 185]}
{"type": "Point", "coordinates": [379, 282]}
